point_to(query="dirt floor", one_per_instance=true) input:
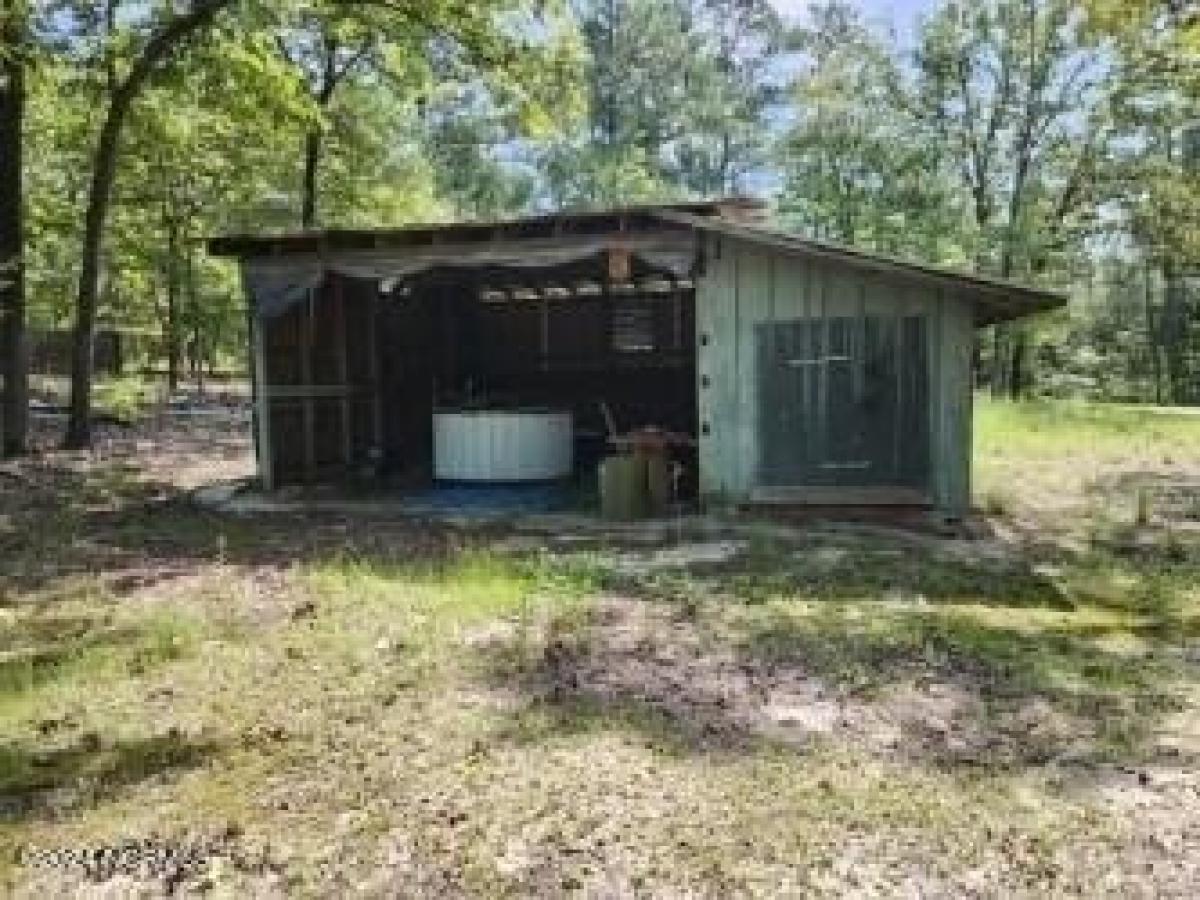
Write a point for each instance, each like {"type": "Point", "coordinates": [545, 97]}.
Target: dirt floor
{"type": "Point", "coordinates": [325, 705]}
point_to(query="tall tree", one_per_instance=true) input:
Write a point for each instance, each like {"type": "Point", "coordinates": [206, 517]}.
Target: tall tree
{"type": "Point", "coordinates": [1155, 161]}
{"type": "Point", "coordinates": [465, 137]}
{"type": "Point", "coordinates": [1015, 90]}
{"type": "Point", "coordinates": [397, 48]}
{"type": "Point", "coordinates": [857, 166]}
{"type": "Point", "coordinates": [733, 93]}
{"type": "Point", "coordinates": [680, 95]}
{"type": "Point", "coordinates": [13, 357]}
{"type": "Point", "coordinates": [163, 38]}
{"type": "Point", "coordinates": [326, 47]}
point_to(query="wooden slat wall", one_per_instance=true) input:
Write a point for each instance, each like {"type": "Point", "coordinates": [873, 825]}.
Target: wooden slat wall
{"type": "Point", "coordinates": [743, 286]}
{"type": "Point", "coordinates": [316, 385]}
{"type": "Point", "coordinates": [953, 402]}
{"type": "Point", "coordinates": [541, 351]}
{"type": "Point", "coordinates": [716, 368]}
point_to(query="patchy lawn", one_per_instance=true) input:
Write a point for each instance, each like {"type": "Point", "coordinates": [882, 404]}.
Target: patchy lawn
{"type": "Point", "coordinates": [327, 707]}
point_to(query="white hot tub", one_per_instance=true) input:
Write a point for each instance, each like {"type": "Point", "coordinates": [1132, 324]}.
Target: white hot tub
{"type": "Point", "coordinates": [502, 445]}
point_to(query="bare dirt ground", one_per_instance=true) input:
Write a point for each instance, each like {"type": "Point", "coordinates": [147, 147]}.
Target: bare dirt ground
{"type": "Point", "coordinates": [327, 706]}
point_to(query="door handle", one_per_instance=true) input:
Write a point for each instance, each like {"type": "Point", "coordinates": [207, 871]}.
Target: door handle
{"type": "Point", "coordinates": [819, 361]}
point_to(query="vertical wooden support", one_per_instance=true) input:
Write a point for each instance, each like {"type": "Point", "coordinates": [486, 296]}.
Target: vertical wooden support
{"type": "Point", "coordinates": [376, 388]}
{"type": "Point", "coordinates": [610, 325]}
{"type": "Point", "coordinates": [822, 435]}
{"type": "Point", "coordinates": [337, 286]}
{"type": "Point", "coordinates": [677, 300]}
{"type": "Point", "coordinates": [858, 346]}
{"type": "Point", "coordinates": [806, 403]}
{"type": "Point", "coordinates": [935, 305]}
{"type": "Point", "coordinates": [306, 378]}
{"type": "Point", "coordinates": [733, 335]}
{"type": "Point", "coordinates": [262, 404]}
{"type": "Point", "coordinates": [956, 393]}
{"type": "Point", "coordinates": [900, 424]}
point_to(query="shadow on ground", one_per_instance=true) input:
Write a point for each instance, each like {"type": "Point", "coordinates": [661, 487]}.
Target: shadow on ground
{"type": "Point", "coordinates": [898, 648]}
{"type": "Point", "coordinates": [88, 769]}
{"type": "Point", "coordinates": [958, 686]}
{"type": "Point", "coordinates": [136, 535]}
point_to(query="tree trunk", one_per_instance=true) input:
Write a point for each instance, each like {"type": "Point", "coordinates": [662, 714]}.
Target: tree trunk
{"type": "Point", "coordinates": [191, 291]}
{"type": "Point", "coordinates": [79, 425]}
{"type": "Point", "coordinates": [1018, 378]}
{"type": "Point", "coordinates": [104, 170]}
{"type": "Point", "coordinates": [172, 327]}
{"type": "Point", "coordinates": [312, 161]}
{"type": "Point", "coordinates": [1153, 336]}
{"type": "Point", "coordinates": [998, 378]}
{"type": "Point", "coordinates": [14, 358]}
{"type": "Point", "coordinates": [1174, 330]}
{"type": "Point", "coordinates": [171, 274]}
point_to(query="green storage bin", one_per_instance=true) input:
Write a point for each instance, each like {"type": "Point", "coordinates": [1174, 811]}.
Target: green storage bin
{"type": "Point", "coordinates": [624, 493]}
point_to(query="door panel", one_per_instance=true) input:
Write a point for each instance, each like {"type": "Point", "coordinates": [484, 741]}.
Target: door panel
{"type": "Point", "coordinates": [843, 401]}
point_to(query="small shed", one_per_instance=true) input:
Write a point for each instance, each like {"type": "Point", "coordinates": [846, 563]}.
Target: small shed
{"type": "Point", "coordinates": [792, 371]}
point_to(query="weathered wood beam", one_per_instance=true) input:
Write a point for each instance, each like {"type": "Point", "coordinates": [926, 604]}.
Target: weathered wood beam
{"type": "Point", "coordinates": [343, 367]}
{"type": "Point", "coordinates": [262, 401]}
{"type": "Point", "coordinates": [306, 377]}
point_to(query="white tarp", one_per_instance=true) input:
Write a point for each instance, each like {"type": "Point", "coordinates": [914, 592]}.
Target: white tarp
{"type": "Point", "coordinates": [275, 283]}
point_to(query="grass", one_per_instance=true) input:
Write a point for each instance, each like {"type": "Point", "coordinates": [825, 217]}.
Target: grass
{"type": "Point", "coordinates": [377, 707]}
{"type": "Point", "coordinates": [73, 651]}
{"type": "Point", "coordinates": [1033, 429]}
{"type": "Point", "coordinates": [125, 397]}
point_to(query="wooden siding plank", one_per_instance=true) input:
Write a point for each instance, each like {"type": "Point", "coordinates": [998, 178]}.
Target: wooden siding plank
{"type": "Point", "coordinates": [710, 295]}
{"type": "Point", "coordinates": [956, 403]}
{"type": "Point", "coordinates": [374, 374]}
{"type": "Point", "coordinates": [342, 351]}
{"type": "Point", "coordinates": [262, 400]}
{"type": "Point", "coordinates": [752, 309]}
{"type": "Point", "coordinates": [825, 305]}
{"type": "Point", "coordinates": [306, 378]}
{"type": "Point", "coordinates": [809, 295]}
{"type": "Point", "coordinates": [937, 338]}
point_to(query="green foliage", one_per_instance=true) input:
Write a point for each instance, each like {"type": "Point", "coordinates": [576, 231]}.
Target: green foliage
{"type": "Point", "coordinates": [680, 95]}
{"type": "Point", "coordinates": [215, 142]}
{"type": "Point", "coordinates": [1024, 140]}
{"type": "Point", "coordinates": [859, 167]}
{"type": "Point", "coordinates": [124, 398]}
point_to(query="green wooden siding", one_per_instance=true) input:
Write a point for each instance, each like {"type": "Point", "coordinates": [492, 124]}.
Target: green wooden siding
{"type": "Point", "coordinates": [746, 288]}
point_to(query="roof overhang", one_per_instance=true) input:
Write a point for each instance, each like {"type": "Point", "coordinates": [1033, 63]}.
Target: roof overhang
{"type": "Point", "coordinates": [465, 235]}
{"type": "Point", "coordinates": [277, 281]}
{"type": "Point", "coordinates": [281, 267]}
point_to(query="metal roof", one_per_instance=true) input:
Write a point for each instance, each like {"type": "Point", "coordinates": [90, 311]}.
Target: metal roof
{"type": "Point", "coordinates": [547, 225]}
{"type": "Point", "coordinates": [995, 300]}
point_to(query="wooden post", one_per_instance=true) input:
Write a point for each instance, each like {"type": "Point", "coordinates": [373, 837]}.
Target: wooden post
{"type": "Point", "coordinates": [610, 324]}
{"type": "Point", "coordinates": [343, 367]}
{"type": "Point", "coordinates": [822, 338]}
{"type": "Point", "coordinates": [306, 377]}
{"type": "Point", "coordinates": [677, 312]}
{"type": "Point", "coordinates": [373, 362]}
{"type": "Point", "coordinates": [262, 404]}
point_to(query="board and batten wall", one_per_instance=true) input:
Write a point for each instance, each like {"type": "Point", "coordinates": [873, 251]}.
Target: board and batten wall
{"type": "Point", "coordinates": [745, 284]}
